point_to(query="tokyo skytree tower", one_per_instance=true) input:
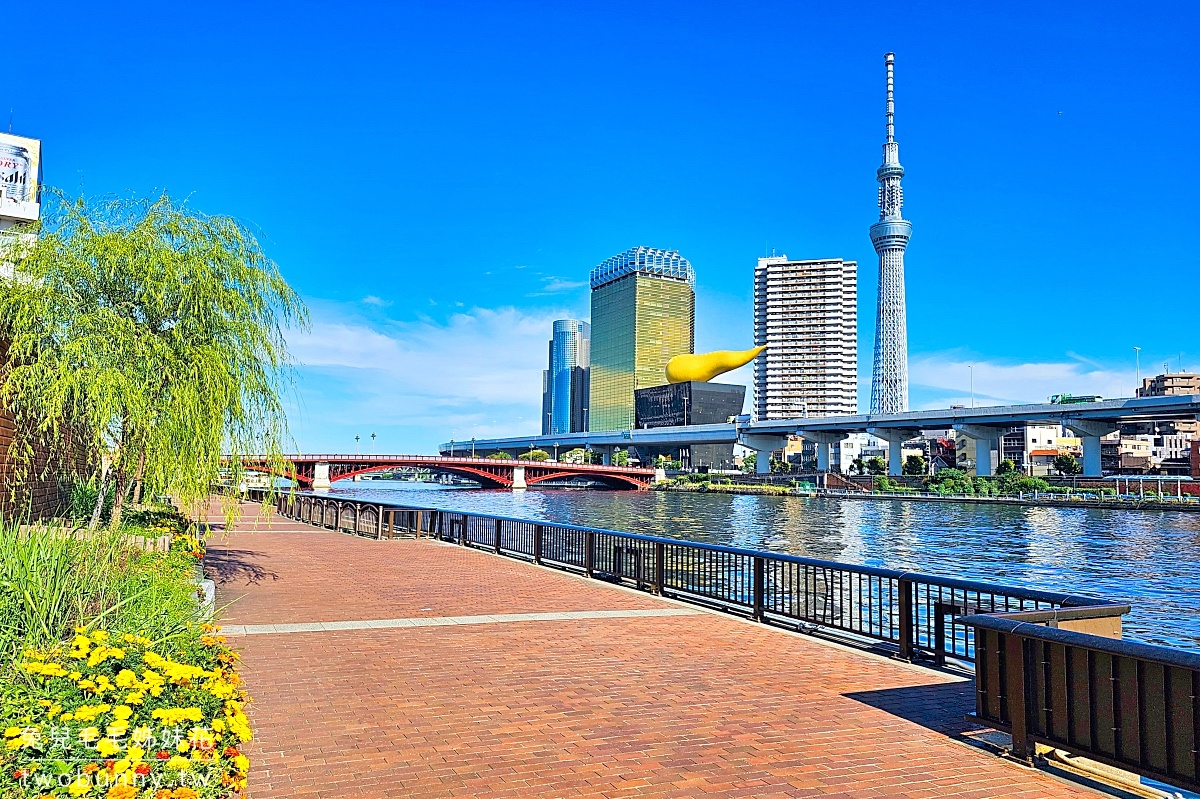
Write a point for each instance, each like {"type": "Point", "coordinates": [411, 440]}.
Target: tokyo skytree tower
{"type": "Point", "coordinates": [889, 376]}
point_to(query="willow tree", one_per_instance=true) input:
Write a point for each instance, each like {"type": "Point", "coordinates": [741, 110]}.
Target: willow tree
{"type": "Point", "coordinates": [150, 336]}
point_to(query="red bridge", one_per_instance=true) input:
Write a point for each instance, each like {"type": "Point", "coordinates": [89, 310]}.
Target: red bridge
{"type": "Point", "coordinates": [318, 471]}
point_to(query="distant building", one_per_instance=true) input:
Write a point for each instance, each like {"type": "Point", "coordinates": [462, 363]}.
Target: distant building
{"type": "Point", "coordinates": [1170, 438]}
{"type": "Point", "coordinates": [643, 314]}
{"type": "Point", "coordinates": [678, 404]}
{"type": "Point", "coordinates": [1170, 385]}
{"type": "Point", "coordinates": [806, 315]}
{"type": "Point", "coordinates": [1196, 458]}
{"type": "Point", "coordinates": [1020, 442]}
{"type": "Point", "coordinates": [564, 383]}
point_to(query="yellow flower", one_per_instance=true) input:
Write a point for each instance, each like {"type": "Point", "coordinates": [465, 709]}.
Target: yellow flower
{"type": "Point", "coordinates": [107, 747]}
{"type": "Point", "coordinates": [142, 734]}
{"type": "Point", "coordinates": [241, 763]}
{"type": "Point", "coordinates": [126, 679]}
{"type": "Point", "coordinates": [171, 716]}
{"type": "Point", "coordinates": [219, 725]}
{"type": "Point", "coordinates": [121, 791]}
{"type": "Point", "coordinates": [134, 697]}
{"type": "Point", "coordinates": [182, 746]}
{"type": "Point", "coordinates": [122, 712]}
{"type": "Point", "coordinates": [99, 635]}
{"type": "Point", "coordinates": [136, 753]}
{"type": "Point", "coordinates": [66, 717]}
{"type": "Point", "coordinates": [117, 729]}
{"type": "Point", "coordinates": [89, 734]}
{"type": "Point", "coordinates": [74, 676]}
{"type": "Point", "coordinates": [13, 743]}
{"type": "Point", "coordinates": [80, 786]}
{"type": "Point", "coordinates": [12, 732]}
{"type": "Point", "coordinates": [177, 763]}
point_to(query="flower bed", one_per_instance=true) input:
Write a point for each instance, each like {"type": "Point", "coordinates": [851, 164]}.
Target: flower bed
{"type": "Point", "coordinates": [110, 716]}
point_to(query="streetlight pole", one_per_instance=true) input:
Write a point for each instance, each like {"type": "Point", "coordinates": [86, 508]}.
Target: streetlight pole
{"type": "Point", "coordinates": [472, 446]}
{"type": "Point", "coordinates": [356, 452]}
{"type": "Point", "coordinates": [1137, 365]}
{"type": "Point", "coordinates": [452, 448]}
{"type": "Point", "coordinates": [556, 452]}
{"type": "Point", "coordinates": [372, 444]}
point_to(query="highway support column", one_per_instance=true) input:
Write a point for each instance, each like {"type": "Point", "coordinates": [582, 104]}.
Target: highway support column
{"type": "Point", "coordinates": [824, 441]}
{"type": "Point", "coordinates": [1091, 432]}
{"type": "Point", "coordinates": [895, 438]}
{"type": "Point", "coordinates": [987, 441]}
{"type": "Point", "coordinates": [763, 446]}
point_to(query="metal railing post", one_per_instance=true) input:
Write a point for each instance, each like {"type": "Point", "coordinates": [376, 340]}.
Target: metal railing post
{"type": "Point", "coordinates": [660, 568]}
{"type": "Point", "coordinates": [1014, 690]}
{"type": "Point", "coordinates": [589, 553]}
{"type": "Point", "coordinates": [496, 542]}
{"type": "Point", "coordinates": [462, 531]}
{"type": "Point", "coordinates": [907, 619]}
{"type": "Point", "coordinates": [537, 544]}
{"type": "Point", "coordinates": [379, 522]}
{"type": "Point", "coordinates": [760, 587]}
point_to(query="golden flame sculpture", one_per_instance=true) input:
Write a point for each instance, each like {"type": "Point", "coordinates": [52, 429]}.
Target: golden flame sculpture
{"type": "Point", "coordinates": [704, 367]}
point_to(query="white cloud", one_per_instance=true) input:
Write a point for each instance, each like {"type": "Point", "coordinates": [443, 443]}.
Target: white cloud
{"type": "Point", "coordinates": [941, 379]}
{"type": "Point", "coordinates": [552, 284]}
{"type": "Point", "coordinates": [477, 373]}
{"type": "Point", "coordinates": [378, 302]}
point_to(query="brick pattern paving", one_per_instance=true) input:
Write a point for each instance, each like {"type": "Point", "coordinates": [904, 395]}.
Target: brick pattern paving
{"type": "Point", "coordinates": [675, 706]}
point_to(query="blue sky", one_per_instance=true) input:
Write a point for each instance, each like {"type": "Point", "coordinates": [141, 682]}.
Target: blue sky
{"type": "Point", "coordinates": [437, 179]}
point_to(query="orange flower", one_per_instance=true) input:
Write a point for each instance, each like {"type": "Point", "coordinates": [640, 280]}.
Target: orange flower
{"type": "Point", "coordinates": [185, 793]}
{"type": "Point", "coordinates": [122, 791]}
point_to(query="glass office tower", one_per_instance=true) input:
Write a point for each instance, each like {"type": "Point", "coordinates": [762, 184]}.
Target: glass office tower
{"type": "Point", "coordinates": [643, 314]}
{"type": "Point", "coordinates": [569, 360]}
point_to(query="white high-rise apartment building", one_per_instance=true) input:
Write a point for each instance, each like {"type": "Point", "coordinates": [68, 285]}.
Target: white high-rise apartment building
{"type": "Point", "coordinates": [806, 315]}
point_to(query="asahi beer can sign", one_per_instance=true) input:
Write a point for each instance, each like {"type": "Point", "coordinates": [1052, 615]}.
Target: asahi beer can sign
{"type": "Point", "coordinates": [14, 172]}
{"type": "Point", "coordinates": [19, 161]}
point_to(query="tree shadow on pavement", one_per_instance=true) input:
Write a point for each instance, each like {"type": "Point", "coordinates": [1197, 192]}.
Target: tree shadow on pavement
{"type": "Point", "coordinates": [236, 566]}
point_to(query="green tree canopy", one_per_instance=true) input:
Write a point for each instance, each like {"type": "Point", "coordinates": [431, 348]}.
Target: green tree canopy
{"type": "Point", "coordinates": [914, 465]}
{"type": "Point", "coordinates": [1006, 466]}
{"type": "Point", "coordinates": [534, 455]}
{"type": "Point", "coordinates": [1066, 464]}
{"type": "Point", "coordinates": [750, 463]}
{"type": "Point", "coordinates": [876, 465]}
{"type": "Point", "coordinates": [151, 336]}
{"type": "Point", "coordinates": [500, 456]}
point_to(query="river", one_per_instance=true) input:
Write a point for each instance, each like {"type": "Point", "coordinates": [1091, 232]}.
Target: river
{"type": "Point", "coordinates": [1146, 558]}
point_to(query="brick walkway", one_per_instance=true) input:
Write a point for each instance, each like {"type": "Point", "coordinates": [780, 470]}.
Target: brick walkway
{"type": "Point", "coordinates": [606, 705]}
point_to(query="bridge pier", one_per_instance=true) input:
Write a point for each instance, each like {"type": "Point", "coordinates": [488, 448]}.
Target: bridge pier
{"type": "Point", "coordinates": [895, 438]}
{"type": "Point", "coordinates": [823, 441]}
{"type": "Point", "coordinates": [321, 479]}
{"type": "Point", "coordinates": [518, 478]}
{"type": "Point", "coordinates": [1091, 433]}
{"type": "Point", "coordinates": [763, 446]}
{"type": "Point", "coordinates": [987, 442]}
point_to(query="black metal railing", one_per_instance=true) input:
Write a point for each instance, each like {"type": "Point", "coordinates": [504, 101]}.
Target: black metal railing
{"type": "Point", "coordinates": [918, 614]}
{"type": "Point", "coordinates": [1039, 673]}
{"type": "Point", "coordinates": [1132, 706]}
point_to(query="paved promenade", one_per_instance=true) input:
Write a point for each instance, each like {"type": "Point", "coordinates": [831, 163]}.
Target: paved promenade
{"type": "Point", "coordinates": [416, 668]}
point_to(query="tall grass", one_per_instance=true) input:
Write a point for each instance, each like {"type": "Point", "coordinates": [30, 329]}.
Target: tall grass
{"type": "Point", "coordinates": [53, 579]}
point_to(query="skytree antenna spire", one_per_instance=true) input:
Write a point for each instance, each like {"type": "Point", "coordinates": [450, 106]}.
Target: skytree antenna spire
{"type": "Point", "coordinates": [889, 236]}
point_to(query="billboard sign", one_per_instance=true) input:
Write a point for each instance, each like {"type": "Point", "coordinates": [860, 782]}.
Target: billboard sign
{"type": "Point", "coordinates": [20, 161]}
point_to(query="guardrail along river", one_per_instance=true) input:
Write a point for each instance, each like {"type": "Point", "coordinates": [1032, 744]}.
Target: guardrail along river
{"type": "Point", "coordinates": [1150, 559]}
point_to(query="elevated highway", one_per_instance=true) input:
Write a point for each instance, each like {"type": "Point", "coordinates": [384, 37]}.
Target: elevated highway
{"type": "Point", "coordinates": [987, 425]}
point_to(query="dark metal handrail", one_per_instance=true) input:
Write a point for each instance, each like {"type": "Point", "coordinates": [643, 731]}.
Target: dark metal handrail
{"type": "Point", "coordinates": [919, 614]}
{"type": "Point", "coordinates": [1130, 705]}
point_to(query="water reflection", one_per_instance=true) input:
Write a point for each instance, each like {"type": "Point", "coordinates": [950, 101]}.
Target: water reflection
{"type": "Point", "coordinates": [1145, 558]}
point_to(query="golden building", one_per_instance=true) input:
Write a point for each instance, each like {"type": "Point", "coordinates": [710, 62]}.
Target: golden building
{"type": "Point", "coordinates": [643, 315]}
